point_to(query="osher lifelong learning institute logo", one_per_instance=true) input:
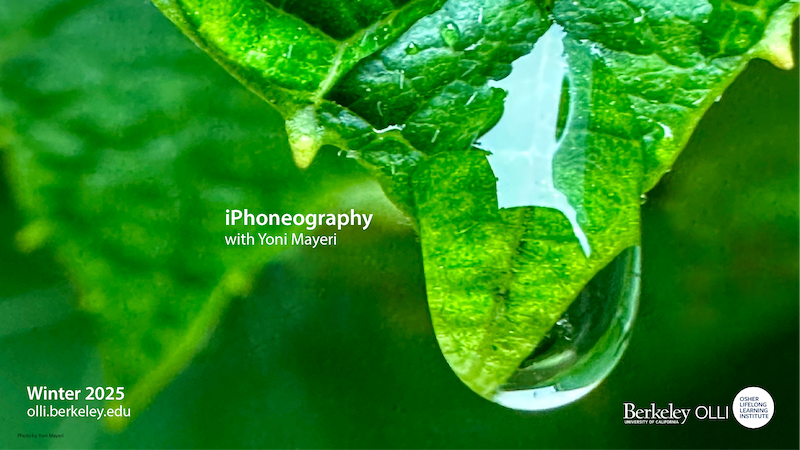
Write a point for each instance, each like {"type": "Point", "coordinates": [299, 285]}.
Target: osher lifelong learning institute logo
{"type": "Point", "coordinates": [752, 407]}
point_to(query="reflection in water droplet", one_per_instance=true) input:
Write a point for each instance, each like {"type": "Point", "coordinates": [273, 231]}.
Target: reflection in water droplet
{"type": "Point", "coordinates": [450, 33]}
{"type": "Point", "coordinates": [471, 98]}
{"type": "Point", "coordinates": [412, 49]}
{"type": "Point", "coordinates": [667, 131]}
{"type": "Point", "coordinates": [525, 140]}
{"type": "Point", "coordinates": [584, 345]}
{"type": "Point", "coordinates": [393, 127]}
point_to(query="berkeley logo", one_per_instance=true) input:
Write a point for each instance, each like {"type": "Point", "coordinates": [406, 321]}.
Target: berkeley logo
{"type": "Point", "coordinates": [654, 415]}
{"type": "Point", "coordinates": [670, 415]}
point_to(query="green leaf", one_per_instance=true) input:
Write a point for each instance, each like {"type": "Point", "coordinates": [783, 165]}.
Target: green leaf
{"type": "Point", "coordinates": [123, 156]}
{"type": "Point", "coordinates": [499, 278]}
{"type": "Point", "coordinates": [291, 53]}
{"type": "Point", "coordinates": [411, 108]}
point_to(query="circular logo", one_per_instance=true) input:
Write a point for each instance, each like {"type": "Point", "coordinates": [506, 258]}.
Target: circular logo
{"type": "Point", "coordinates": [753, 407]}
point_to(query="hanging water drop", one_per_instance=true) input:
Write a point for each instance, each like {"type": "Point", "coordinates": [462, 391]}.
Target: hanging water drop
{"type": "Point", "coordinates": [584, 345]}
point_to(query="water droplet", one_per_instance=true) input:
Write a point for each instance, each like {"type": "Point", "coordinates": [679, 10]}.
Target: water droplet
{"type": "Point", "coordinates": [435, 135]}
{"type": "Point", "coordinates": [584, 346]}
{"type": "Point", "coordinates": [389, 128]}
{"type": "Point", "coordinates": [412, 49]}
{"type": "Point", "coordinates": [667, 130]}
{"type": "Point", "coordinates": [450, 33]}
{"type": "Point", "coordinates": [471, 47]}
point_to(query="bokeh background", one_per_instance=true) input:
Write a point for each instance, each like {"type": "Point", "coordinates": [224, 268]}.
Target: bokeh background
{"type": "Point", "coordinates": [334, 347]}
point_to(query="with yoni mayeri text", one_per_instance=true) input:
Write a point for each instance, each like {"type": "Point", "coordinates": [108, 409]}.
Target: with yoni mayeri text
{"type": "Point", "coordinates": [310, 221]}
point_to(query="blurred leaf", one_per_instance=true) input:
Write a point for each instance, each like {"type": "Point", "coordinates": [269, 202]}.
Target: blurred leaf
{"type": "Point", "coordinates": [123, 155]}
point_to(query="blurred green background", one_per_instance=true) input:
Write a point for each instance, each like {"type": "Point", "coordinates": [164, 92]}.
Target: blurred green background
{"type": "Point", "coordinates": [334, 348]}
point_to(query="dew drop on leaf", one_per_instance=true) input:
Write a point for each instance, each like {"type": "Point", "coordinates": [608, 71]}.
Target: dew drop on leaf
{"type": "Point", "coordinates": [450, 33]}
{"type": "Point", "coordinates": [584, 345]}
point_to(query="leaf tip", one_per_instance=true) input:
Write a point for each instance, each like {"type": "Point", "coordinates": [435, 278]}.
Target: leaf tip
{"type": "Point", "coordinates": [304, 149]}
{"type": "Point", "coordinates": [305, 136]}
{"type": "Point", "coordinates": [781, 56]}
{"type": "Point", "coordinates": [776, 45]}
